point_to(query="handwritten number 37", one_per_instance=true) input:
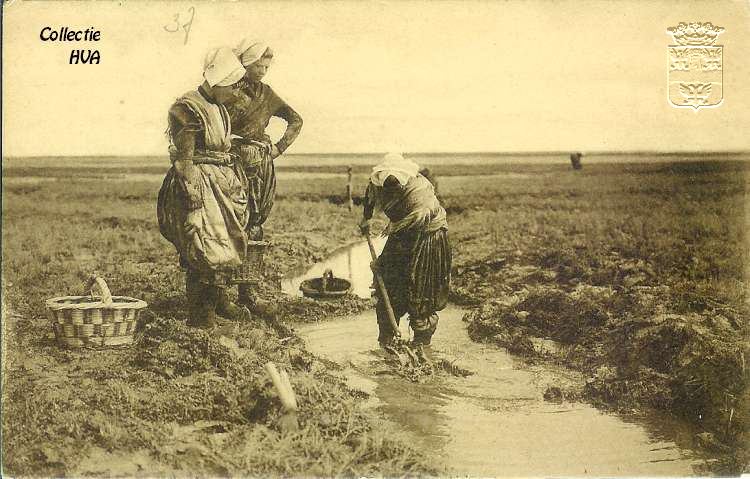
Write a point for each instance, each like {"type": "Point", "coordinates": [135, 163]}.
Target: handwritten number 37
{"type": "Point", "coordinates": [176, 25]}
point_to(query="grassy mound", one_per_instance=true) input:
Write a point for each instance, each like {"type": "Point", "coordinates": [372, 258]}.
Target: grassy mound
{"type": "Point", "coordinates": [638, 276]}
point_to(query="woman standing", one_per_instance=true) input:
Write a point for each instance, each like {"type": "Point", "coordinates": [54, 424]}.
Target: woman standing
{"type": "Point", "coordinates": [416, 261]}
{"type": "Point", "coordinates": [251, 111]}
{"type": "Point", "coordinates": [202, 206]}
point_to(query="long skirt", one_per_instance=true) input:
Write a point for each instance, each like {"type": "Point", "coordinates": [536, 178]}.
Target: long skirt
{"type": "Point", "coordinates": [261, 176]}
{"type": "Point", "coordinates": [415, 267]}
{"type": "Point", "coordinates": [210, 239]}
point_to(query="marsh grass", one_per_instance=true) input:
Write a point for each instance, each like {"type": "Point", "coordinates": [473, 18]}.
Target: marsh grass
{"type": "Point", "coordinates": [179, 396]}
{"type": "Point", "coordinates": [640, 272]}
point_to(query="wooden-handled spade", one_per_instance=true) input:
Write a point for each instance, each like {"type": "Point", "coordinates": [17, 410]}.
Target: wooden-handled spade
{"type": "Point", "coordinates": [398, 343]}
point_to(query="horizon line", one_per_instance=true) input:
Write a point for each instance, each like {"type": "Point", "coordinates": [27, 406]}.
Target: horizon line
{"type": "Point", "coordinates": [435, 153]}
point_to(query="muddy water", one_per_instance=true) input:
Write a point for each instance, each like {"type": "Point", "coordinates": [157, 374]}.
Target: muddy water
{"type": "Point", "coordinates": [496, 422]}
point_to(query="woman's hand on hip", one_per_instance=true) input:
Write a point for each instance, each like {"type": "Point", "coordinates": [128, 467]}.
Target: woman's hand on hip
{"type": "Point", "coordinates": [275, 153]}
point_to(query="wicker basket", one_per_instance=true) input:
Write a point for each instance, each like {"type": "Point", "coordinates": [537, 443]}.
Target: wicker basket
{"type": "Point", "coordinates": [103, 320]}
{"type": "Point", "coordinates": [252, 268]}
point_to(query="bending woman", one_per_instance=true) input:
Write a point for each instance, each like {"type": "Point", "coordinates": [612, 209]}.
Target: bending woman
{"type": "Point", "coordinates": [202, 206]}
{"type": "Point", "coordinates": [416, 261]}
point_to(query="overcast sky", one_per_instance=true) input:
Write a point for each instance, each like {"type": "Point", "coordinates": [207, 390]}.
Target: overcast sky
{"type": "Point", "coordinates": [368, 76]}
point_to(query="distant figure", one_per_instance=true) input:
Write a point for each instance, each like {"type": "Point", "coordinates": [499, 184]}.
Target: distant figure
{"type": "Point", "coordinates": [575, 160]}
{"type": "Point", "coordinates": [416, 261]}
{"type": "Point", "coordinates": [431, 178]}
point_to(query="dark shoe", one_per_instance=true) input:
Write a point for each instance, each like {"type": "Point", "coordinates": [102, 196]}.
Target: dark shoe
{"type": "Point", "coordinates": [203, 318]}
{"type": "Point", "coordinates": [422, 338]}
{"type": "Point", "coordinates": [265, 309]}
{"type": "Point", "coordinates": [245, 296]}
{"type": "Point", "coordinates": [226, 308]}
{"type": "Point", "coordinates": [385, 342]}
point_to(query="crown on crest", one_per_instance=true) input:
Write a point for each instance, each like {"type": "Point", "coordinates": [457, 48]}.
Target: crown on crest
{"type": "Point", "coordinates": [695, 33]}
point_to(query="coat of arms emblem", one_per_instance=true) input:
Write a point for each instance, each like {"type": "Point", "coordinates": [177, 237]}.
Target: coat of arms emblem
{"type": "Point", "coordinates": [695, 66]}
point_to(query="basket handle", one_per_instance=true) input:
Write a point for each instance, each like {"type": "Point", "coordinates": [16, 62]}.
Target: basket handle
{"type": "Point", "coordinates": [327, 279]}
{"type": "Point", "coordinates": [106, 294]}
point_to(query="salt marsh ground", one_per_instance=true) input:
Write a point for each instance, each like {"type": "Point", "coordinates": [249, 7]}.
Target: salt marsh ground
{"type": "Point", "coordinates": [635, 268]}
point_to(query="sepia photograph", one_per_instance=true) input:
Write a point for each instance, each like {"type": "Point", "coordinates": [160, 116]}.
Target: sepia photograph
{"type": "Point", "coordinates": [376, 238]}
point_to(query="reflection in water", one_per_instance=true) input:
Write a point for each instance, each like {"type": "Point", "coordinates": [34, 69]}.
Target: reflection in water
{"type": "Point", "coordinates": [494, 423]}
{"type": "Point", "coordinates": [351, 262]}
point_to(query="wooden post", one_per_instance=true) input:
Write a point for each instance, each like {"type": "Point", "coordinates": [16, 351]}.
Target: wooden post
{"type": "Point", "coordinates": [286, 394]}
{"type": "Point", "coordinates": [288, 385]}
{"type": "Point", "coordinates": [350, 203]}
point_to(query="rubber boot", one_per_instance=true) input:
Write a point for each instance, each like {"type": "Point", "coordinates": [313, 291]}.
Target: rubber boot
{"type": "Point", "coordinates": [246, 297]}
{"type": "Point", "coordinates": [229, 310]}
{"type": "Point", "coordinates": [424, 328]}
{"type": "Point", "coordinates": [201, 305]}
{"type": "Point", "coordinates": [385, 335]}
{"type": "Point", "coordinates": [193, 294]}
{"type": "Point", "coordinates": [385, 331]}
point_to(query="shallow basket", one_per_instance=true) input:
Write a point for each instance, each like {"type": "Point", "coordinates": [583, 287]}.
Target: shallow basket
{"type": "Point", "coordinates": [252, 268]}
{"type": "Point", "coordinates": [94, 320]}
{"type": "Point", "coordinates": [325, 287]}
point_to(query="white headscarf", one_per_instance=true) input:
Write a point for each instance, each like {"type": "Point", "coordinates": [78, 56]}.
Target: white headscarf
{"type": "Point", "coordinates": [250, 51]}
{"type": "Point", "coordinates": [396, 165]}
{"type": "Point", "coordinates": [221, 67]}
